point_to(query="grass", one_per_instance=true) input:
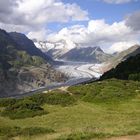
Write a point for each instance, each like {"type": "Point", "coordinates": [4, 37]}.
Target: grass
{"type": "Point", "coordinates": [87, 119]}
{"type": "Point", "coordinates": [22, 108]}
{"type": "Point", "coordinates": [9, 132]}
{"type": "Point", "coordinates": [31, 106]}
{"type": "Point", "coordinates": [106, 91]}
{"type": "Point", "coordinates": [82, 136]}
{"type": "Point", "coordinates": [55, 97]}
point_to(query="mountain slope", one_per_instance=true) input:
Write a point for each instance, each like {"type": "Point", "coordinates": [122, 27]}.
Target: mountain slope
{"type": "Point", "coordinates": [119, 57]}
{"type": "Point", "coordinates": [28, 46]}
{"type": "Point", "coordinates": [132, 51]}
{"type": "Point", "coordinates": [127, 69]}
{"type": "Point", "coordinates": [21, 72]}
{"type": "Point", "coordinates": [88, 54]}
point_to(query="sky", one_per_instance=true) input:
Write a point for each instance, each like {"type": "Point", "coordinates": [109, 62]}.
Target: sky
{"type": "Point", "coordinates": [114, 25]}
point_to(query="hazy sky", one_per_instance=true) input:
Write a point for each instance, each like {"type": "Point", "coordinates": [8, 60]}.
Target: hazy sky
{"type": "Point", "coordinates": [112, 24]}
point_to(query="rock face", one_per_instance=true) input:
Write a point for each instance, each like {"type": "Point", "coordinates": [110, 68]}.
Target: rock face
{"type": "Point", "coordinates": [28, 79]}
{"type": "Point", "coordinates": [88, 54]}
{"type": "Point", "coordinates": [23, 67]}
{"type": "Point", "coordinates": [70, 51]}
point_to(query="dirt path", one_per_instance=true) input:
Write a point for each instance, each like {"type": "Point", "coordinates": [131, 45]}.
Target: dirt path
{"type": "Point", "coordinates": [135, 137]}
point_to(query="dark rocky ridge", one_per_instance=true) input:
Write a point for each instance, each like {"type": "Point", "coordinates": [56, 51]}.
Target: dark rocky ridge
{"type": "Point", "coordinates": [28, 45]}
{"type": "Point", "coordinates": [23, 67]}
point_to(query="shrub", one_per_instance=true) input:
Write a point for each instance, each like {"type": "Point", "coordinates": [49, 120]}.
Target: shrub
{"type": "Point", "coordinates": [24, 104]}
{"type": "Point", "coordinates": [22, 109]}
{"type": "Point", "coordinates": [57, 98]}
{"type": "Point", "coordinates": [40, 99]}
{"type": "Point", "coordinates": [7, 102]}
{"type": "Point", "coordinates": [135, 77]}
{"type": "Point", "coordinates": [54, 98]}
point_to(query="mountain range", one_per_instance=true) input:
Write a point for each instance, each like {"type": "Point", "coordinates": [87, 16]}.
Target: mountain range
{"type": "Point", "coordinates": [63, 50]}
{"type": "Point", "coordinates": [68, 51]}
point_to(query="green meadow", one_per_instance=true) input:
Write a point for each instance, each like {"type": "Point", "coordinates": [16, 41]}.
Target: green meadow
{"type": "Point", "coordinates": [99, 110]}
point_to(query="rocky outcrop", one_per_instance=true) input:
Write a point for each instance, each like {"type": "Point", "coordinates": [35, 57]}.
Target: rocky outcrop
{"type": "Point", "coordinates": [28, 79]}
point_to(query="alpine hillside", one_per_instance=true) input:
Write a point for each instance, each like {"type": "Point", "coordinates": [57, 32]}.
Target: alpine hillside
{"type": "Point", "coordinates": [22, 68]}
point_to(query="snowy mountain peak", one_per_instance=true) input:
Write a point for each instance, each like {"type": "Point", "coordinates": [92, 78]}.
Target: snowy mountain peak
{"type": "Point", "coordinates": [61, 44]}
{"type": "Point", "coordinates": [65, 49]}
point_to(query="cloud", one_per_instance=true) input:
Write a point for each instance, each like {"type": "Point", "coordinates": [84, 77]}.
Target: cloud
{"type": "Point", "coordinates": [3, 5]}
{"type": "Point", "coordinates": [119, 1]}
{"type": "Point", "coordinates": [32, 17]}
{"type": "Point", "coordinates": [18, 28]}
{"type": "Point", "coordinates": [98, 33]}
{"type": "Point", "coordinates": [120, 46]}
{"type": "Point", "coordinates": [40, 34]}
{"type": "Point", "coordinates": [36, 14]}
{"type": "Point", "coordinates": [133, 20]}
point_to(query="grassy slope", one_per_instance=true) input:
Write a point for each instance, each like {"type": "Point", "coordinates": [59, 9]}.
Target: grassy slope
{"type": "Point", "coordinates": [87, 120]}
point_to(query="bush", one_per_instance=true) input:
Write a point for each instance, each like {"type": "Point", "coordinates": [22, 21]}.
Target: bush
{"type": "Point", "coordinates": [22, 109]}
{"type": "Point", "coordinates": [24, 104]}
{"type": "Point", "coordinates": [7, 102]}
{"type": "Point", "coordinates": [57, 98]}
{"type": "Point", "coordinates": [54, 98]}
{"type": "Point", "coordinates": [135, 77]}
{"type": "Point", "coordinates": [40, 99]}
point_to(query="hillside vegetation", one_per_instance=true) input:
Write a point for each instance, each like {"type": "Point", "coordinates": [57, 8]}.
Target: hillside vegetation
{"type": "Point", "coordinates": [93, 111]}
{"type": "Point", "coordinates": [128, 69]}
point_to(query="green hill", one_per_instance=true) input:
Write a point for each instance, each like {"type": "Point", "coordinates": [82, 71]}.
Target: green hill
{"type": "Point", "coordinates": [128, 69]}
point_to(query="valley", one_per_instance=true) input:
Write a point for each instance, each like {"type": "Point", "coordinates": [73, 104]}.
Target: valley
{"type": "Point", "coordinates": [69, 69]}
{"type": "Point", "coordinates": [75, 71]}
{"type": "Point", "coordinates": [52, 100]}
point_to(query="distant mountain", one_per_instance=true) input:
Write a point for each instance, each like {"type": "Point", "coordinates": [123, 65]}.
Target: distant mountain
{"type": "Point", "coordinates": [23, 68]}
{"type": "Point", "coordinates": [87, 54]}
{"type": "Point", "coordinates": [55, 49]}
{"type": "Point", "coordinates": [128, 69]}
{"type": "Point", "coordinates": [69, 51]}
